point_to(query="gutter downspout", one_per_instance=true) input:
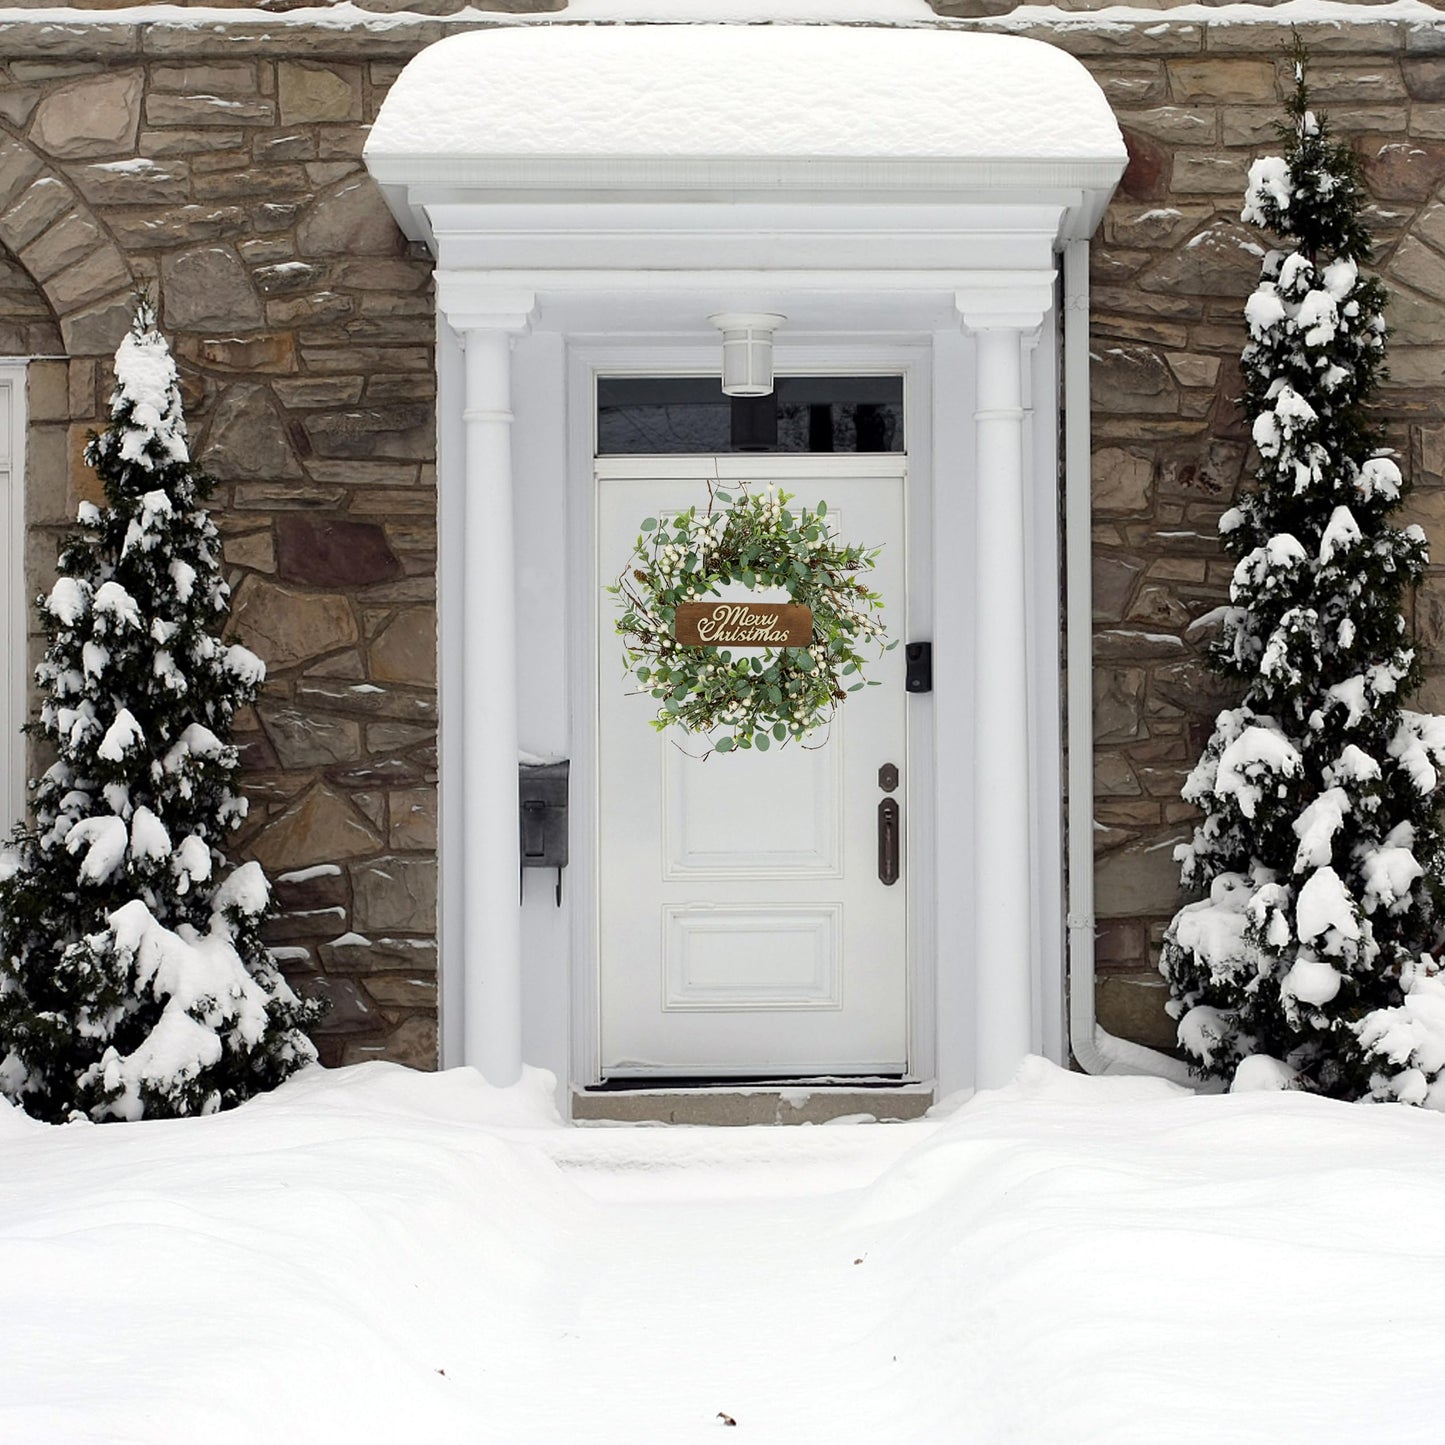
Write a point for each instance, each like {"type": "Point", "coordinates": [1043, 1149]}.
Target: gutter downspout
{"type": "Point", "coordinates": [1097, 1051]}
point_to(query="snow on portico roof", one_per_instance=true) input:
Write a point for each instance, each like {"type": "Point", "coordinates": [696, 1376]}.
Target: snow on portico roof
{"type": "Point", "coordinates": [769, 12]}
{"type": "Point", "coordinates": [795, 92]}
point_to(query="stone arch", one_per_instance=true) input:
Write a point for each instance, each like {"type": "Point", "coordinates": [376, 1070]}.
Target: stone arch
{"type": "Point", "coordinates": [66, 290]}
{"type": "Point", "coordinates": [1412, 266]}
{"type": "Point", "coordinates": [28, 325]}
{"type": "Point", "coordinates": [84, 277]}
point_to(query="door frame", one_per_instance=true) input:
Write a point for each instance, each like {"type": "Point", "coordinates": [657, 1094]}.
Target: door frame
{"type": "Point", "coordinates": [585, 362]}
{"type": "Point", "coordinates": [14, 608]}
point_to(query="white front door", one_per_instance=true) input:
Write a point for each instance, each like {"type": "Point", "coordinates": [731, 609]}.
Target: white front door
{"type": "Point", "coordinates": [745, 926]}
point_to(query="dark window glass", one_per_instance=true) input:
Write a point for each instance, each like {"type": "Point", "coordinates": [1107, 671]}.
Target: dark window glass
{"type": "Point", "coordinates": [651, 415]}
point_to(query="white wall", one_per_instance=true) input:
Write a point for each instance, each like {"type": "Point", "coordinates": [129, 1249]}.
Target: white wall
{"type": "Point", "coordinates": [1042, 521]}
{"type": "Point", "coordinates": [541, 507]}
{"type": "Point", "coordinates": [955, 519]}
{"type": "Point", "coordinates": [546, 593]}
{"type": "Point", "coordinates": [960, 508]}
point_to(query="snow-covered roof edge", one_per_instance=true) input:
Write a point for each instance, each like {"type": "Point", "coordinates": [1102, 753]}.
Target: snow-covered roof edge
{"type": "Point", "coordinates": [735, 95]}
{"type": "Point", "coordinates": [1410, 15]}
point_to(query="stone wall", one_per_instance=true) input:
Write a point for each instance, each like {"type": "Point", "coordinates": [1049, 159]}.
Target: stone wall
{"type": "Point", "coordinates": [220, 164]}
{"type": "Point", "coordinates": [975, 9]}
{"type": "Point", "coordinates": [1171, 269]}
{"type": "Point", "coordinates": [949, 9]}
{"type": "Point", "coordinates": [226, 176]}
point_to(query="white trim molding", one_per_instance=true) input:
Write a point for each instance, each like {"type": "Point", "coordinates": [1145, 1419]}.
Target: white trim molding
{"type": "Point", "coordinates": [547, 266]}
{"type": "Point", "coordinates": [1004, 324]}
{"type": "Point", "coordinates": [1014, 301]}
{"type": "Point", "coordinates": [14, 604]}
{"type": "Point", "coordinates": [514, 112]}
{"type": "Point", "coordinates": [488, 322]}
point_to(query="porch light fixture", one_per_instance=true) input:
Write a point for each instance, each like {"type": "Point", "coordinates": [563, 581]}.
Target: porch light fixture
{"type": "Point", "coordinates": [747, 368]}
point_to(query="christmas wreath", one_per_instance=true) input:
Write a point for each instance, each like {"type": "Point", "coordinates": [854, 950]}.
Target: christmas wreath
{"type": "Point", "coordinates": [752, 540]}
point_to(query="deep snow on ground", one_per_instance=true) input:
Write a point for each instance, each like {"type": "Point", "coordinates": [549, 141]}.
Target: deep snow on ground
{"type": "Point", "coordinates": [375, 1255]}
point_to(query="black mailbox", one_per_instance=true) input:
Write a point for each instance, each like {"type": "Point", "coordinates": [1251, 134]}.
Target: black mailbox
{"type": "Point", "coordinates": [542, 793]}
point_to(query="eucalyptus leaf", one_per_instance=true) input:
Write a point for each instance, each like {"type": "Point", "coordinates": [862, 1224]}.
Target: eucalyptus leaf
{"type": "Point", "coordinates": [737, 537]}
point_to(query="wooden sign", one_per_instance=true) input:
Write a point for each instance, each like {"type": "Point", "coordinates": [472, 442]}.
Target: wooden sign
{"type": "Point", "coordinates": [743, 624]}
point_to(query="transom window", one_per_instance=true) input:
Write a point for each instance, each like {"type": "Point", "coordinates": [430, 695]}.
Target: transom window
{"type": "Point", "coordinates": [659, 415]}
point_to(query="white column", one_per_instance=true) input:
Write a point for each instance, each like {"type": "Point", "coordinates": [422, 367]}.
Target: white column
{"type": "Point", "coordinates": [491, 943]}
{"type": "Point", "coordinates": [1003, 946]}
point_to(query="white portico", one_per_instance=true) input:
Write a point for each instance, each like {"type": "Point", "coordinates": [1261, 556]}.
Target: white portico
{"type": "Point", "coordinates": [593, 194]}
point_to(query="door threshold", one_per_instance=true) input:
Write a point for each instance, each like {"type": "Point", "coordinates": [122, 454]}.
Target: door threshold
{"type": "Point", "coordinates": [642, 1083]}
{"type": "Point", "coordinates": [735, 1102]}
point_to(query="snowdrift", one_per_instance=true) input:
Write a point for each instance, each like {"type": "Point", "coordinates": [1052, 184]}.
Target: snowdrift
{"type": "Point", "coordinates": [371, 1254]}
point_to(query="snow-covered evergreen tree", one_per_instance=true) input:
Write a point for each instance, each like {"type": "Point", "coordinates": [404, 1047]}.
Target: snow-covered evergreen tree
{"type": "Point", "coordinates": [133, 978]}
{"type": "Point", "coordinates": [1308, 964]}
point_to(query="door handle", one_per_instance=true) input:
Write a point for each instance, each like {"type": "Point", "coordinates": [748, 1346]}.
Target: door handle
{"type": "Point", "coordinates": [888, 841]}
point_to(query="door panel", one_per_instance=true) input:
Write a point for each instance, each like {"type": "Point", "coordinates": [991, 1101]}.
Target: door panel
{"type": "Point", "coordinates": [708, 835]}
{"type": "Point", "coordinates": [743, 925]}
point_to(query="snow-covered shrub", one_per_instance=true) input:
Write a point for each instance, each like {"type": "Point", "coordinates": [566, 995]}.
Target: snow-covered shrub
{"type": "Point", "coordinates": [1308, 964]}
{"type": "Point", "coordinates": [133, 978]}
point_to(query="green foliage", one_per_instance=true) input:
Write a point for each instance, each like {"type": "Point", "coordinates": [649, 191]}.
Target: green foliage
{"type": "Point", "coordinates": [756, 539]}
{"type": "Point", "coordinates": [1320, 849]}
{"type": "Point", "coordinates": [133, 978]}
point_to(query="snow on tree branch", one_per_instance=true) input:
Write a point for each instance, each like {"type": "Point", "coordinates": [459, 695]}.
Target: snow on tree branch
{"type": "Point", "coordinates": [1310, 963]}
{"type": "Point", "coordinates": [133, 978]}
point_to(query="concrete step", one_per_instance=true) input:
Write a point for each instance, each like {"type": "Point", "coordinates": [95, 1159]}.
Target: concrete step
{"type": "Point", "coordinates": [731, 1105]}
